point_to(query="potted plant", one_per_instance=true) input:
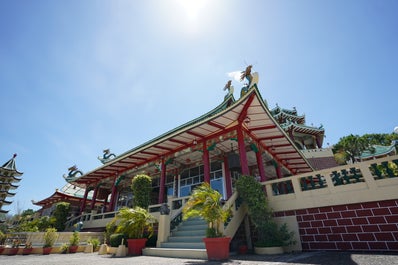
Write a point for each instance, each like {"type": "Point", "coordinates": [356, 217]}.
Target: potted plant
{"type": "Point", "coordinates": [64, 248]}
{"type": "Point", "coordinates": [3, 238]}
{"type": "Point", "coordinates": [14, 247]}
{"type": "Point", "coordinates": [95, 242]}
{"type": "Point", "coordinates": [135, 223]}
{"type": "Point", "coordinates": [269, 234]}
{"type": "Point", "coordinates": [27, 249]}
{"type": "Point", "coordinates": [74, 242]}
{"type": "Point", "coordinates": [206, 203]}
{"type": "Point", "coordinates": [50, 236]}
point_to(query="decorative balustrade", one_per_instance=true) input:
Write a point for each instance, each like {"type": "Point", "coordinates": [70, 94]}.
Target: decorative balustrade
{"type": "Point", "coordinates": [368, 180]}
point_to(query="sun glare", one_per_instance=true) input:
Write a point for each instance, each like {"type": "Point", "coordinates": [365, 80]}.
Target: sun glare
{"type": "Point", "coordinates": [192, 8]}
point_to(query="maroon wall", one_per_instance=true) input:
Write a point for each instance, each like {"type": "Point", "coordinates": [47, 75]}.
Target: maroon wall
{"type": "Point", "coordinates": [369, 226]}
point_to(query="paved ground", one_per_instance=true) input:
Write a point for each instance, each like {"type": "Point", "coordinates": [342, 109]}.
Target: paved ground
{"type": "Point", "coordinates": [305, 258]}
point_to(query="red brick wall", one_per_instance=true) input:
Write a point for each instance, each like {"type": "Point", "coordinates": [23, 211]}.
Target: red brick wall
{"type": "Point", "coordinates": [369, 226]}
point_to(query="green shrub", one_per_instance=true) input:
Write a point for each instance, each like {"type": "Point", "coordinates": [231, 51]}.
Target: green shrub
{"type": "Point", "coordinates": [74, 239]}
{"type": "Point", "coordinates": [116, 239]}
{"type": "Point", "coordinates": [268, 232]}
{"type": "Point", "coordinates": [95, 242]}
{"type": "Point", "coordinates": [141, 187]}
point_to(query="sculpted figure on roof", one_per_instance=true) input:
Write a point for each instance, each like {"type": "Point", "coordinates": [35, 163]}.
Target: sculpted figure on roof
{"type": "Point", "coordinates": [252, 79]}
{"type": "Point", "coordinates": [107, 156]}
{"type": "Point", "coordinates": [230, 89]}
{"type": "Point", "coordinates": [72, 175]}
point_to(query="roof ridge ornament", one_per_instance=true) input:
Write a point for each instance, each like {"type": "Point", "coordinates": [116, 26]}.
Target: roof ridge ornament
{"type": "Point", "coordinates": [73, 171]}
{"type": "Point", "coordinates": [107, 156]}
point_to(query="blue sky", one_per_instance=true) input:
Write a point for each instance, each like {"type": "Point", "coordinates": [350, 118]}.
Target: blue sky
{"type": "Point", "coordinates": [77, 77]}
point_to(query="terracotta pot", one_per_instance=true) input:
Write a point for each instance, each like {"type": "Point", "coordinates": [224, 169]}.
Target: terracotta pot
{"type": "Point", "coordinates": [242, 249]}
{"type": "Point", "coordinates": [135, 246]}
{"type": "Point", "coordinates": [47, 250]}
{"type": "Point", "coordinates": [73, 249]}
{"type": "Point", "coordinates": [27, 251]}
{"type": "Point", "coordinates": [217, 248]}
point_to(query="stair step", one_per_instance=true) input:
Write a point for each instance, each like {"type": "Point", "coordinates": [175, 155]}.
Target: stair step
{"type": "Point", "coordinates": [189, 233]}
{"type": "Point", "coordinates": [186, 227]}
{"type": "Point", "coordinates": [176, 253]}
{"type": "Point", "coordinates": [186, 245]}
{"type": "Point", "coordinates": [194, 222]}
{"type": "Point", "coordinates": [185, 239]}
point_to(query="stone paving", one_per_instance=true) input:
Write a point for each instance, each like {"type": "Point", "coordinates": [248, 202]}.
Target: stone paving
{"type": "Point", "coordinates": [304, 258]}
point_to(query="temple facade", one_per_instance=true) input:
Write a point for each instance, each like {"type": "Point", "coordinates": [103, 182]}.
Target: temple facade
{"type": "Point", "coordinates": [237, 137]}
{"type": "Point", "coordinates": [328, 207]}
{"type": "Point", "coordinates": [8, 179]}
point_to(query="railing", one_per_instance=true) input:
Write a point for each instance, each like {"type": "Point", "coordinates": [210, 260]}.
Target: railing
{"type": "Point", "coordinates": [90, 220]}
{"type": "Point", "coordinates": [366, 181]}
{"type": "Point", "coordinates": [238, 210]}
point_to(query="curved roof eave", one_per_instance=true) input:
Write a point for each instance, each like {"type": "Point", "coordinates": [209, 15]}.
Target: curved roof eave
{"type": "Point", "coordinates": [215, 120]}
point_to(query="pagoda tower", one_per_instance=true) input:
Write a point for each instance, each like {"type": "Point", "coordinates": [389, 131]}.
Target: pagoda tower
{"type": "Point", "coordinates": [304, 136]}
{"type": "Point", "coordinates": [8, 176]}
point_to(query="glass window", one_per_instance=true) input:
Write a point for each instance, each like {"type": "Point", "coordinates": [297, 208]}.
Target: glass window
{"type": "Point", "coordinates": [185, 191]}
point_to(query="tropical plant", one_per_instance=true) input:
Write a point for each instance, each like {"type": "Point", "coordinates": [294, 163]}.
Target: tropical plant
{"type": "Point", "coordinates": [135, 222]}
{"type": "Point", "coordinates": [74, 239]}
{"type": "Point", "coordinates": [3, 238]}
{"type": "Point", "coordinates": [206, 203]}
{"type": "Point", "coordinates": [60, 214]}
{"type": "Point", "coordinates": [268, 232]}
{"type": "Point", "coordinates": [95, 242]}
{"type": "Point", "coordinates": [64, 248]}
{"type": "Point", "coordinates": [110, 229]}
{"type": "Point", "coordinates": [352, 146]}
{"type": "Point", "coordinates": [50, 236]}
{"type": "Point", "coordinates": [141, 187]}
{"type": "Point", "coordinates": [117, 239]}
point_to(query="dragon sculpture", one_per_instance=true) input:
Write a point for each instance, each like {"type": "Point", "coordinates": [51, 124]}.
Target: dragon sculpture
{"type": "Point", "coordinates": [72, 175]}
{"type": "Point", "coordinates": [252, 79]}
{"type": "Point", "coordinates": [107, 156]}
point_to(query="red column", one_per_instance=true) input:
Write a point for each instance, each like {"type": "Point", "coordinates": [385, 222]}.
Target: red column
{"type": "Point", "coordinates": [242, 153]}
{"type": "Point", "coordinates": [83, 205]}
{"type": "Point", "coordinates": [162, 181]}
{"type": "Point", "coordinates": [260, 166]}
{"type": "Point", "coordinates": [278, 170]}
{"type": "Point", "coordinates": [112, 202]}
{"type": "Point", "coordinates": [206, 163]}
{"type": "Point", "coordinates": [228, 181]}
{"type": "Point", "coordinates": [94, 199]}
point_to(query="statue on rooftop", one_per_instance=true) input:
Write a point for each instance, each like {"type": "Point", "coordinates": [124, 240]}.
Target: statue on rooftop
{"type": "Point", "coordinates": [72, 175]}
{"type": "Point", "coordinates": [107, 156]}
{"type": "Point", "coordinates": [252, 79]}
{"type": "Point", "coordinates": [230, 89]}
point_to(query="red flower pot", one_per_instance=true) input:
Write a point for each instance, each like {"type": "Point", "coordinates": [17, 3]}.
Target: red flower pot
{"type": "Point", "coordinates": [47, 250]}
{"type": "Point", "coordinates": [217, 248]}
{"type": "Point", "coordinates": [73, 249]}
{"type": "Point", "coordinates": [135, 246]}
{"type": "Point", "coordinates": [242, 249]}
{"type": "Point", "coordinates": [27, 251]}
{"type": "Point", "coordinates": [12, 251]}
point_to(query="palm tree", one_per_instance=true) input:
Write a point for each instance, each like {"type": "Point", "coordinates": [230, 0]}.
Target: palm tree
{"type": "Point", "coordinates": [207, 204]}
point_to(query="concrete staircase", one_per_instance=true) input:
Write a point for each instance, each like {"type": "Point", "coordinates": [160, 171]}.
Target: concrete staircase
{"type": "Point", "coordinates": [186, 241]}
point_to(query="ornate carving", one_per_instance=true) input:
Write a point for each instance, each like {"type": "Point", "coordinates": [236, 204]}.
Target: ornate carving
{"type": "Point", "coordinates": [72, 175]}
{"type": "Point", "coordinates": [107, 156]}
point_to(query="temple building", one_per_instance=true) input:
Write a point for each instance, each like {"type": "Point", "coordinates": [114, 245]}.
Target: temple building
{"type": "Point", "coordinates": [8, 177]}
{"type": "Point", "coordinates": [237, 137]}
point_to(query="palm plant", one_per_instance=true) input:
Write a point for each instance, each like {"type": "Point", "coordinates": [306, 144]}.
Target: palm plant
{"type": "Point", "coordinates": [207, 204]}
{"type": "Point", "coordinates": [135, 222]}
